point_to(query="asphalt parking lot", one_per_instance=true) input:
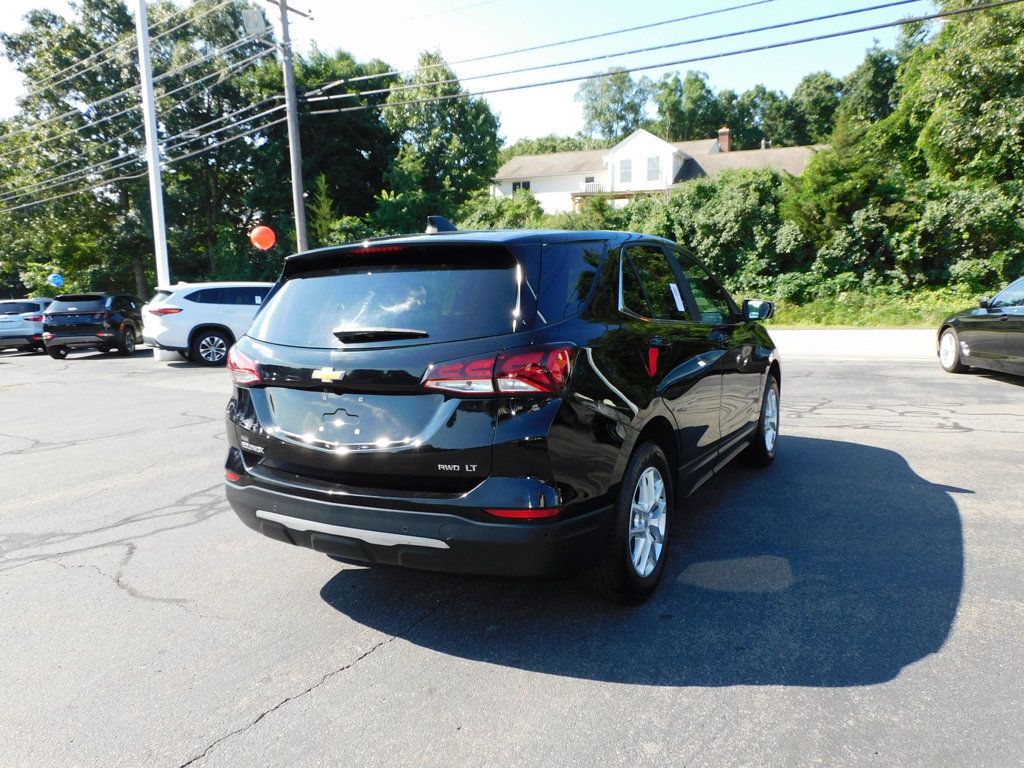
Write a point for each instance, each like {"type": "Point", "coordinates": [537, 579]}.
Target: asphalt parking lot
{"type": "Point", "coordinates": [861, 602]}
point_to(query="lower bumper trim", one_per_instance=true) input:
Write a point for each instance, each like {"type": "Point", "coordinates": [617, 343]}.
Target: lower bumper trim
{"type": "Point", "coordinates": [378, 538]}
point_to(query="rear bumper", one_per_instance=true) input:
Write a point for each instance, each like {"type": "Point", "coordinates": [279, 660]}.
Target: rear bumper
{"type": "Point", "coordinates": [151, 341]}
{"type": "Point", "coordinates": [19, 340]}
{"type": "Point", "coordinates": [432, 540]}
{"type": "Point", "coordinates": [82, 340]}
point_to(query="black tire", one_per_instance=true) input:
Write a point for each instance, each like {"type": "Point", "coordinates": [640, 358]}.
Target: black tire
{"type": "Point", "coordinates": [126, 344]}
{"type": "Point", "coordinates": [761, 452]}
{"type": "Point", "coordinates": [57, 353]}
{"type": "Point", "coordinates": [210, 347]}
{"type": "Point", "coordinates": [953, 363]}
{"type": "Point", "coordinates": [616, 577]}
{"type": "Point", "coordinates": [185, 355]}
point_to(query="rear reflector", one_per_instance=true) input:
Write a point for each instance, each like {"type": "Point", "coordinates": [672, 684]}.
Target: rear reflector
{"type": "Point", "coordinates": [165, 311]}
{"type": "Point", "coordinates": [542, 370]}
{"type": "Point", "coordinates": [243, 370]}
{"type": "Point", "coordinates": [234, 477]}
{"type": "Point", "coordinates": [539, 513]}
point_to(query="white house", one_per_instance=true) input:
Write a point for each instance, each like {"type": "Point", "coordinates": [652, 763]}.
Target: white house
{"type": "Point", "coordinates": [639, 164]}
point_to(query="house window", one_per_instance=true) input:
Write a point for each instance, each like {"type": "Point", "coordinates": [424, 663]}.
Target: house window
{"type": "Point", "coordinates": [588, 179]}
{"type": "Point", "coordinates": [625, 169]}
{"type": "Point", "coordinates": [653, 168]}
{"type": "Point", "coordinates": [517, 185]}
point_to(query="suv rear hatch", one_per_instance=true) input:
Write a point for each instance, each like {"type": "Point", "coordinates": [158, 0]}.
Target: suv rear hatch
{"type": "Point", "coordinates": [14, 317]}
{"type": "Point", "coordinates": [77, 315]}
{"type": "Point", "coordinates": [376, 365]}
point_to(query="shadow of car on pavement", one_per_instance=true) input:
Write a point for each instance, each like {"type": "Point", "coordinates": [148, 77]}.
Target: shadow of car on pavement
{"type": "Point", "coordinates": [838, 566]}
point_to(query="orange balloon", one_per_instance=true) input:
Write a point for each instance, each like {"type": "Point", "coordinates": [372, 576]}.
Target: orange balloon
{"type": "Point", "coordinates": [263, 237]}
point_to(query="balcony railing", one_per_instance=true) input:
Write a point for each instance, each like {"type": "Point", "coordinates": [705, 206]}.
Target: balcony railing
{"type": "Point", "coordinates": [591, 187]}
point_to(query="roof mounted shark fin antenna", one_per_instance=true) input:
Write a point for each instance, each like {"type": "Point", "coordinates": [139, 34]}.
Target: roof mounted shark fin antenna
{"type": "Point", "coordinates": [437, 224]}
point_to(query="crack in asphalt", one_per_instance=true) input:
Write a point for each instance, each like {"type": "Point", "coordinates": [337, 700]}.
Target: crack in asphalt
{"type": "Point", "coordinates": [326, 676]}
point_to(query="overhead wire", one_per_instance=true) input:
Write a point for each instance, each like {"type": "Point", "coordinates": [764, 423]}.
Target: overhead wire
{"type": "Point", "coordinates": [619, 54]}
{"type": "Point", "coordinates": [107, 182]}
{"type": "Point", "coordinates": [119, 161]}
{"type": "Point", "coordinates": [231, 69]}
{"type": "Point", "coordinates": [542, 46]}
{"type": "Point", "coordinates": [691, 60]}
{"type": "Point", "coordinates": [48, 82]}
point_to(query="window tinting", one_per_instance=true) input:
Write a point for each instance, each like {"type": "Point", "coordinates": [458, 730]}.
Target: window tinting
{"type": "Point", "coordinates": [451, 296]}
{"type": "Point", "coordinates": [712, 301]}
{"type": "Point", "coordinates": [206, 296]}
{"type": "Point", "coordinates": [1010, 297]}
{"type": "Point", "coordinates": [647, 280]}
{"type": "Point", "coordinates": [17, 307]}
{"type": "Point", "coordinates": [568, 272]}
{"type": "Point", "coordinates": [79, 303]}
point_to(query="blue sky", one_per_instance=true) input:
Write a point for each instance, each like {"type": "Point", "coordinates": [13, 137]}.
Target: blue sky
{"type": "Point", "coordinates": [398, 30]}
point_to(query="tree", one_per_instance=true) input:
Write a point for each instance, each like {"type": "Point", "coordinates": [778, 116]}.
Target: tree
{"type": "Point", "coordinates": [868, 90]}
{"type": "Point", "coordinates": [551, 143]}
{"type": "Point", "coordinates": [816, 98]}
{"type": "Point", "coordinates": [448, 147]}
{"type": "Point", "coordinates": [687, 108]}
{"type": "Point", "coordinates": [613, 104]}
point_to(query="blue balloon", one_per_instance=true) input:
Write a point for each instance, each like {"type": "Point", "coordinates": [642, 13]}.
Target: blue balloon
{"type": "Point", "coordinates": [56, 280]}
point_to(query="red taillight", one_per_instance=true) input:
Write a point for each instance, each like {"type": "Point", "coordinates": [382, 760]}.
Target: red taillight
{"type": "Point", "coordinates": [47, 336]}
{"type": "Point", "coordinates": [530, 371]}
{"type": "Point", "coordinates": [165, 311]}
{"type": "Point", "coordinates": [234, 477]}
{"type": "Point", "coordinates": [539, 513]}
{"type": "Point", "coordinates": [33, 318]}
{"type": "Point", "coordinates": [243, 370]}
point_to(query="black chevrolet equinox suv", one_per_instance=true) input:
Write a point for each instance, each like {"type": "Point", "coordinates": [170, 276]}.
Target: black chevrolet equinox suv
{"type": "Point", "coordinates": [516, 402]}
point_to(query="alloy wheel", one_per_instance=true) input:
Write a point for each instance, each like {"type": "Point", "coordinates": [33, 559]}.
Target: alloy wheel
{"type": "Point", "coordinates": [647, 522]}
{"type": "Point", "coordinates": [771, 419]}
{"type": "Point", "coordinates": [947, 350]}
{"type": "Point", "coordinates": [213, 349]}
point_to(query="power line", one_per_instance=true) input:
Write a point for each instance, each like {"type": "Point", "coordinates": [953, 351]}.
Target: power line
{"type": "Point", "coordinates": [543, 46]}
{"type": "Point", "coordinates": [120, 161]}
{"type": "Point", "coordinates": [128, 177]}
{"type": "Point", "coordinates": [603, 56]}
{"type": "Point", "coordinates": [231, 69]}
{"type": "Point", "coordinates": [45, 85]}
{"type": "Point", "coordinates": [691, 60]}
{"type": "Point", "coordinates": [131, 89]}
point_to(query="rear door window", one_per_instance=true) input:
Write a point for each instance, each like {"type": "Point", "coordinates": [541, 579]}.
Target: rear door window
{"type": "Point", "coordinates": [206, 296]}
{"type": "Point", "coordinates": [247, 296]}
{"type": "Point", "coordinates": [713, 302]}
{"type": "Point", "coordinates": [649, 285]}
{"type": "Point", "coordinates": [448, 294]}
{"type": "Point", "coordinates": [568, 272]}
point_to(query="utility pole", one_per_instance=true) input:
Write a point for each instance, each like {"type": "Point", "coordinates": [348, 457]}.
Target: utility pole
{"type": "Point", "coordinates": [294, 146]}
{"type": "Point", "coordinates": [156, 190]}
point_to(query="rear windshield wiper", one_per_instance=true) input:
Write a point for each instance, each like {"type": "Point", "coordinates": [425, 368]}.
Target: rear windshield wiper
{"type": "Point", "coordinates": [349, 335]}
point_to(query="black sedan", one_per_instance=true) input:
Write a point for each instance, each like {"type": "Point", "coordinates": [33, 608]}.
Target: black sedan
{"type": "Point", "coordinates": [989, 336]}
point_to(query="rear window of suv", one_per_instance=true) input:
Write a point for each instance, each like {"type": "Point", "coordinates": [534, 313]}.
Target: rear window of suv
{"type": "Point", "coordinates": [17, 307]}
{"type": "Point", "coordinates": [84, 303]}
{"type": "Point", "coordinates": [448, 295]}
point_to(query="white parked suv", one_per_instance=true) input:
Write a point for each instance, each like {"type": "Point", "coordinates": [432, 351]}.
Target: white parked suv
{"type": "Point", "coordinates": [21, 323]}
{"type": "Point", "coordinates": [201, 320]}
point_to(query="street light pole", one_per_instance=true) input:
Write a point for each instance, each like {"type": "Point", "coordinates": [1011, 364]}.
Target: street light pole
{"type": "Point", "coordinates": [156, 193]}
{"type": "Point", "coordinates": [294, 145]}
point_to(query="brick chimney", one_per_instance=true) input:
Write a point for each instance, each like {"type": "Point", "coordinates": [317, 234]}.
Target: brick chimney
{"type": "Point", "coordinates": [724, 143]}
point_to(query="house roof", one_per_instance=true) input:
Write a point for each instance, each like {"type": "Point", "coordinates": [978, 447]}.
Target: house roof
{"type": "Point", "coordinates": [697, 147]}
{"type": "Point", "coordinates": [553, 164]}
{"type": "Point", "coordinates": [787, 159]}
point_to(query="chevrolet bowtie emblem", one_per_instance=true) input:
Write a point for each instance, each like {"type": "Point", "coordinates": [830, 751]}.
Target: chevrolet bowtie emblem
{"type": "Point", "coordinates": [327, 375]}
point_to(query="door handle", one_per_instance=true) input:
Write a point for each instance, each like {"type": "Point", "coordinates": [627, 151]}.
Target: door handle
{"type": "Point", "coordinates": [1005, 317]}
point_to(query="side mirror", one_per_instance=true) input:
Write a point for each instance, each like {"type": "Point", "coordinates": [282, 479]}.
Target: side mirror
{"type": "Point", "coordinates": [983, 303]}
{"type": "Point", "coordinates": [758, 309]}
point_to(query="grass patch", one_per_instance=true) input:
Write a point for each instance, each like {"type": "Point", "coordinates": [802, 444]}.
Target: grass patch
{"type": "Point", "coordinates": [923, 308]}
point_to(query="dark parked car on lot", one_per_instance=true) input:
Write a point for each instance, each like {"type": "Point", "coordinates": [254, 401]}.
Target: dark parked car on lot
{"type": "Point", "coordinates": [518, 403]}
{"type": "Point", "coordinates": [105, 321]}
{"type": "Point", "coordinates": [989, 336]}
